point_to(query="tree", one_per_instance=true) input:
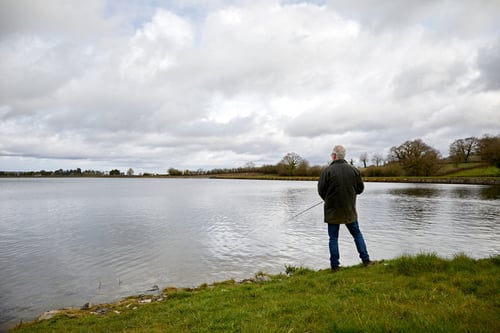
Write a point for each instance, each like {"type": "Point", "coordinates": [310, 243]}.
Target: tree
{"type": "Point", "coordinates": [130, 172]}
{"type": "Point", "coordinates": [377, 159]}
{"type": "Point", "coordinates": [174, 172]}
{"type": "Point", "coordinates": [489, 149]}
{"type": "Point", "coordinates": [269, 169]}
{"type": "Point", "coordinates": [363, 158]}
{"type": "Point", "coordinates": [315, 171]}
{"type": "Point", "coordinates": [289, 164]}
{"type": "Point", "coordinates": [416, 157]}
{"type": "Point", "coordinates": [249, 165]}
{"type": "Point", "coordinates": [461, 149]}
{"type": "Point", "coordinates": [302, 168]}
{"type": "Point", "coordinates": [114, 172]}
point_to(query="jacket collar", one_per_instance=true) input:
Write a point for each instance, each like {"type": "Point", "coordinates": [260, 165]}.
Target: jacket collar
{"type": "Point", "coordinates": [338, 161]}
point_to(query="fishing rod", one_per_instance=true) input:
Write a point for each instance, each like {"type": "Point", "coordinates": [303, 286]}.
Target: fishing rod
{"type": "Point", "coordinates": [305, 210]}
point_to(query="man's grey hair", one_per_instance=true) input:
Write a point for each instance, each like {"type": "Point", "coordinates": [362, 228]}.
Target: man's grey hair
{"type": "Point", "coordinates": [339, 151]}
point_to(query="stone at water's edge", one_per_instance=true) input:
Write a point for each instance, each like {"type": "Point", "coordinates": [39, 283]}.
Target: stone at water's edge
{"type": "Point", "coordinates": [86, 306]}
{"type": "Point", "coordinates": [48, 315]}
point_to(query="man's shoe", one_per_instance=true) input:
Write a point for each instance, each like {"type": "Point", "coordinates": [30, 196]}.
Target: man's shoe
{"type": "Point", "coordinates": [368, 263]}
{"type": "Point", "coordinates": [335, 269]}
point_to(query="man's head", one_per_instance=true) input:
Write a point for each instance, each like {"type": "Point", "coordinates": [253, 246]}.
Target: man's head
{"type": "Point", "coordinates": [338, 153]}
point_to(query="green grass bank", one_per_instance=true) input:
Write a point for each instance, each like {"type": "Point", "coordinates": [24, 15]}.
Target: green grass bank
{"type": "Point", "coordinates": [465, 173]}
{"type": "Point", "coordinates": [422, 293]}
{"type": "Point", "coordinates": [400, 179]}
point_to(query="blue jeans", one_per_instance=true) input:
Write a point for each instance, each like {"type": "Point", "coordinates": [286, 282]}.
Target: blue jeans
{"type": "Point", "coordinates": [333, 232]}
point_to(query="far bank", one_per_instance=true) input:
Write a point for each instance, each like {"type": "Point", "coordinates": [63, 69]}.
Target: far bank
{"type": "Point", "coordinates": [429, 180]}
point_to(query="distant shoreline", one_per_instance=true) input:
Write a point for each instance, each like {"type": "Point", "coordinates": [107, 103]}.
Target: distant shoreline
{"type": "Point", "coordinates": [437, 180]}
{"type": "Point", "coordinates": [418, 180]}
{"type": "Point", "coordinates": [430, 180]}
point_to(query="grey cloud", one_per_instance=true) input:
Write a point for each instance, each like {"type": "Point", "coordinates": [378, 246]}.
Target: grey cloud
{"type": "Point", "coordinates": [488, 61]}
{"type": "Point", "coordinates": [442, 17]}
{"type": "Point", "coordinates": [355, 116]}
{"type": "Point", "coordinates": [41, 77]}
{"type": "Point", "coordinates": [437, 78]}
{"type": "Point", "coordinates": [381, 15]}
{"type": "Point", "coordinates": [205, 128]}
{"type": "Point", "coordinates": [311, 124]}
{"type": "Point", "coordinates": [55, 19]}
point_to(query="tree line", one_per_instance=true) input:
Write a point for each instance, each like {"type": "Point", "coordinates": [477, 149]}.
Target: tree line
{"type": "Point", "coordinates": [416, 158]}
{"type": "Point", "coordinates": [411, 158]}
{"type": "Point", "coordinates": [67, 173]}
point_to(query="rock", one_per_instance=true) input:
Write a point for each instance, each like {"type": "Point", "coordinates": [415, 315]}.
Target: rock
{"type": "Point", "coordinates": [48, 315]}
{"type": "Point", "coordinates": [101, 311]}
{"type": "Point", "coordinates": [154, 288]}
{"type": "Point", "coordinates": [86, 306]}
{"type": "Point", "coordinates": [262, 278]}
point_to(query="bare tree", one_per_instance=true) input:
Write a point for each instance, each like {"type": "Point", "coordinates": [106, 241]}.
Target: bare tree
{"type": "Point", "coordinates": [302, 168]}
{"type": "Point", "coordinates": [377, 159]}
{"type": "Point", "coordinates": [363, 158]}
{"type": "Point", "coordinates": [249, 165]}
{"type": "Point", "coordinates": [461, 149]}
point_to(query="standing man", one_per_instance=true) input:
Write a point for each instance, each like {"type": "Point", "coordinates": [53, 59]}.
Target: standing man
{"type": "Point", "coordinates": [338, 186]}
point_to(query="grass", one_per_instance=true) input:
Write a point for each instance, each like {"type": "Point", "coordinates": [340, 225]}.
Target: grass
{"type": "Point", "coordinates": [463, 173]}
{"type": "Point", "coordinates": [450, 168]}
{"type": "Point", "coordinates": [485, 171]}
{"type": "Point", "coordinates": [422, 293]}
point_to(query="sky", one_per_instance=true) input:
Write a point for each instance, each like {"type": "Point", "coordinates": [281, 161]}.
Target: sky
{"type": "Point", "coordinates": [187, 84]}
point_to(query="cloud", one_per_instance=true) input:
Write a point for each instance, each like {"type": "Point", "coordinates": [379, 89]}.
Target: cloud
{"type": "Point", "coordinates": [461, 19]}
{"type": "Point", "coordinates": [488, 62]}
{"type": "Point", "coordinates": [55, 19]}
{"type": "Point", "coordinates": [190, 84]}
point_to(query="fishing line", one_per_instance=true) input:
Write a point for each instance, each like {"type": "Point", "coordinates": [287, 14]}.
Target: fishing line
{"type": "Point", "coordinates": [305, 210]}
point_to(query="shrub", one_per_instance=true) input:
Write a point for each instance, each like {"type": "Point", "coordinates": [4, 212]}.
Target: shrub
{"type": "Point", "coordinates": [389, 170]}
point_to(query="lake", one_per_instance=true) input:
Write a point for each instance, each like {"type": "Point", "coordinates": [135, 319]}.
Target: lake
{"type": "Point", "coordinates": [68, 241]}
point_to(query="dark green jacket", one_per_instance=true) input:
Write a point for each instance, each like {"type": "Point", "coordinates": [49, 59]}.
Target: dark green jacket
{"type": "Point", "coordinates": [338, 186]}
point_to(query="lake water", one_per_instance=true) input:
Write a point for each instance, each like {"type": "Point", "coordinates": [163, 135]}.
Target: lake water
{"type": "Point", "coordinates": [68, 241]}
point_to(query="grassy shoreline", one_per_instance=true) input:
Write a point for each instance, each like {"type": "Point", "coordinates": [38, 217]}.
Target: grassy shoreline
{"type": "Point", "coordinates": [470, 179]}
{"type": "Point", "coordinates": [433, 180]}
{"type": "Point", "coordinates": [422, 293]}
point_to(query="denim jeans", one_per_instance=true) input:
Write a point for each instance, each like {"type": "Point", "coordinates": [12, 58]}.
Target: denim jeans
{"type": "Point", "coordinates": [333, 233]}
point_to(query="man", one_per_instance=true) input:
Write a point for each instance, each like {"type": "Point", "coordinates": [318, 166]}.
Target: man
{"type": "Point", "coordinates": [338, 186]}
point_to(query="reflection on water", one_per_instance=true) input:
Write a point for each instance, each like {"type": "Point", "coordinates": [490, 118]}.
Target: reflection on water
{"type": "Point", "coordinates": [446, 219]}
{"type": "Point", "coordinates": [488, 192]}
{"type": "Point", "coordinates": [64, 242]}
{"type": "Point", "coordinates": [452, 191]}
{"type": "Point", "coordinates": [423, 192]}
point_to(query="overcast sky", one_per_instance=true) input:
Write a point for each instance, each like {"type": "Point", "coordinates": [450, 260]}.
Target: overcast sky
{"type": "Point", "coordinates": [189, 84]}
